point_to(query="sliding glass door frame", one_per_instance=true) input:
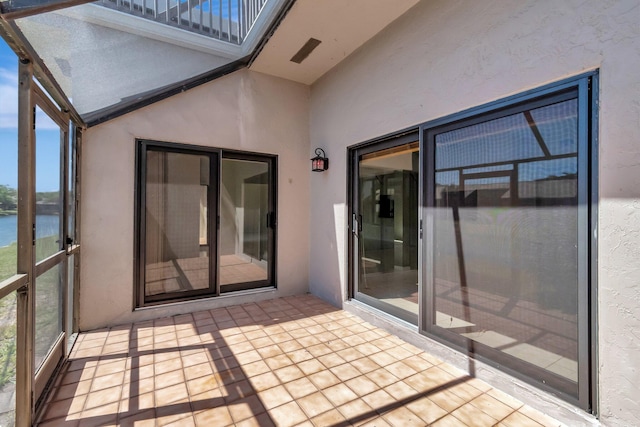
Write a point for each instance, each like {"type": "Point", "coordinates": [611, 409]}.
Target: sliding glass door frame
{"type": "Point", "coordinates": [144, 146]}
{"type": "Point", "coordinates": [271, 221]}
{"type": "Point", "coordinates": [355, 227]}
{"type": "Point", "coordinates": [214, 195]}
{"type": "Point", "coordinates": [584, 88]}
{"type": "Point", "coordinates": [586, 224]}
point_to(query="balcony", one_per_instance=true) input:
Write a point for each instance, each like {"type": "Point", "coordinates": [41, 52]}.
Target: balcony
{"type": "Point", "coordinates": [290, 361]}
{"type": "Point", "coordinates": [228, 21]}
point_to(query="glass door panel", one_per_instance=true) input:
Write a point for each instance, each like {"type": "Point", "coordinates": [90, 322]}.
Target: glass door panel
{"type": "Point", "coordinates": [177, 236]}
{"type": "Point", "coordinates": [244, 216]}
{"type": "Point", "coordinates": [505, 233]}
{"type": "Point", "coordinates": [49, 161]}
{"type": "Point", "coordinates": [71, 185]}
{"type": "Point", "coordinates": [71, 238]}
{"type": "Point", "coordinates": [69, 315]}
{"type": "Point", "coordinates": [8, 308]}
{"type": "Point", "coordinates": [207, 221]}
{"type": "Point", "coordinates": [387, 248]}
{"type": "Point", "coordinates": [48, 315]}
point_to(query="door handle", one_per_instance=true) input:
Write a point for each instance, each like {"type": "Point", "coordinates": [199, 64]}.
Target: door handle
{"type": "Point", "coordinates": [271, 220]}
{"type": "Point", "coordinates": [356, 226]}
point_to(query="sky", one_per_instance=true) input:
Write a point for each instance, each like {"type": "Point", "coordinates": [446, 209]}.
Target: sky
{"type": "Point", "coordinates": [216, 8]}
{"type": "Point", "coordinates": [47, 132]}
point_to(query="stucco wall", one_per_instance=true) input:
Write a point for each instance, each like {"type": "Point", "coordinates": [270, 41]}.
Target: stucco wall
{"type": "Point", "coordinates": [445, 56]}
{"type": "Point", "coordinates": [242, 111]}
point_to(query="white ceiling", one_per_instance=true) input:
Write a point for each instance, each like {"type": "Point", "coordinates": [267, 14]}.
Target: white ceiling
{"type": "Point", "coordinates": [342, 26]}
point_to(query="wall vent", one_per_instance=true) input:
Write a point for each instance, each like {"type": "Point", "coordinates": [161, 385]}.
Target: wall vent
{"type": "Point", "coordinates": [305, 50]}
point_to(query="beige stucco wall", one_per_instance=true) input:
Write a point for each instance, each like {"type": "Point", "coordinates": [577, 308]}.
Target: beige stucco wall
{"type": "Point", "coordinates": [242, 111]}
{"type": "Point", "coordinates": [445, 56]}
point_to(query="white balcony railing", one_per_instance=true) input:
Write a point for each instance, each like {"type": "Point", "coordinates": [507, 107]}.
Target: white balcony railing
{"type": "Point", "coordinates": [225, 20]}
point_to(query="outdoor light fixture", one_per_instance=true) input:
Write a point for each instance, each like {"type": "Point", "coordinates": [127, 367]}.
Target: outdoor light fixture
{"type": "Point", "coordinates": [319, 163]}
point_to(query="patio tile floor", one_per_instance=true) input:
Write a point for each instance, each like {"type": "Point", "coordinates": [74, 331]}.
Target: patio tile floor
{"type": "Point", "coordinates": [286, 362]}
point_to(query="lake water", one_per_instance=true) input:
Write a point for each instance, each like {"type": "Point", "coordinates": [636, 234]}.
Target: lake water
{"type": "Point", "coordinates": [46, 225]}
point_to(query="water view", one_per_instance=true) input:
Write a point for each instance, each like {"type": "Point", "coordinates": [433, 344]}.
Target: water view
{"type": "Point", "coordinates": [46, 225]}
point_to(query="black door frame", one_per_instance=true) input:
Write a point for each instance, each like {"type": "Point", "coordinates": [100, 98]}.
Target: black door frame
{"type": "Point", "coordinates": [355, 222]}
{"type": "Point", "coordinates": [214, 154]}
{"type": "Point", "coordinates": [587, 87]}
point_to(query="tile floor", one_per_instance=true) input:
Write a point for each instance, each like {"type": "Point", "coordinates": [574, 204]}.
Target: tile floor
{"type": "Point", "coordinates": [187, 274]}
{"type": "Point", "coordinates": [285, 362]}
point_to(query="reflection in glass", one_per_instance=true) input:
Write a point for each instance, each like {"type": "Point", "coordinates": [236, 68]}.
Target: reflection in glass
{"type": "Point", "coordinates": [48, 311]}
{"type": "Point", "coordinates": [244, 232]}
{"type": "Point", "coordinates": [505, 235]}
{"type": "Point", "coordinates": [8, 163]}
{"type": "Point", "coordinates": [176, 247]}
{"type": "Point", "coordinates": [48, 179]}
{"type": "Point", "coordinates": [388, 204]}
{"type": "Point", "coordinates": [8, 359]}
{"type": "Point", "coordinates": [71, 185]}
{"type": "Point", "coordinates": [68, 327]}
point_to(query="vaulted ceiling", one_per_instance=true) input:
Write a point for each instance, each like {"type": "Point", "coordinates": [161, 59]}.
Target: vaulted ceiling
{"type": "Point", "coordinates": [114, 56]}
{"type": "Point", "coordinates": [340, 26]}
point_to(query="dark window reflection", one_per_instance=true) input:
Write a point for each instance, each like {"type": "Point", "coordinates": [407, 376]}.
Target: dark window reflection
{"type": "Point", "coordinates": [505, 234]}
{"type": "Point", "coordinates": [388, 243]}
{"type": "Point", "coordinates": [176, 246]}
{"type": "Point", "coordinates": [244, 228]}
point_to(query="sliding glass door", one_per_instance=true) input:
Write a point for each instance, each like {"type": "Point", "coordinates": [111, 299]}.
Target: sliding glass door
{"type": "Point", "coordinates": [247, 222]}
{"type": "Point", "coordinates": [177, 224]}
{"type": "Point", "coordinates": [506, 231]}
{"type": "Point", "coordinates": [507, 236]}
{"type": "Point", "coordinates": [385, 217]}
{"type": "Point", "coordinates": [206, 222]}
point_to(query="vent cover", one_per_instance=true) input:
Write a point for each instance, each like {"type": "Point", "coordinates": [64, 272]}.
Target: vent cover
{"type": "Point", "coordinates": [305, 50]}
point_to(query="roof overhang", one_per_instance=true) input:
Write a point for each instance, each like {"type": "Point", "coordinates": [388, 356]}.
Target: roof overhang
{"type": "Point", "coordinates": [340, 26]}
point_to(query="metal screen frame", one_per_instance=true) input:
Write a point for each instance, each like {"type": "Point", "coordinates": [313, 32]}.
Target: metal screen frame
{"type": "Point", "coordinates": [583, 86]}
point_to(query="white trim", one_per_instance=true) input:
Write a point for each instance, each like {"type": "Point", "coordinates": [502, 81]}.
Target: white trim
{"type": "Point", "coordinates": [261, 25]}
{"type": "Point", "coordinates": [137, 25]}
{"type": "Point", "coordinates": [122, 21]}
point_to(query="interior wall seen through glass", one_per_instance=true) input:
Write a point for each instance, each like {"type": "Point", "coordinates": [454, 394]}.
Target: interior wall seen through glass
{"type": "Point", "coordinates": [176, 248]}
{"type": "Point", "coordinates": [244, 229]}
{"type": "Point", "coordinates": [505, 233]}
{"type": "Point", "coordinates": [388, 239]}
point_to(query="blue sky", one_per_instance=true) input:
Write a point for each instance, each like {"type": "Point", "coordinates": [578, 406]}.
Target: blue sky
{"type": "Point", "coordinates": [48, 136]}
{"type": "Point", "coordinates": [216, 8]}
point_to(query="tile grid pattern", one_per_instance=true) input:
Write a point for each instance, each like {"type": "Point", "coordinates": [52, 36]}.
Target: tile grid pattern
{"type": "Point", "coordinates": [285, 362]}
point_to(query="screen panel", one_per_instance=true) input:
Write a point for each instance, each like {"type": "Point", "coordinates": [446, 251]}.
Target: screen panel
{"type": "Point", "coordinates": [504, 271]}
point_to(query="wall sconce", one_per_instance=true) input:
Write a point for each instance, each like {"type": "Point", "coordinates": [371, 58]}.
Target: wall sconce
{"type": "Point", "coordinates": [319, 163]}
